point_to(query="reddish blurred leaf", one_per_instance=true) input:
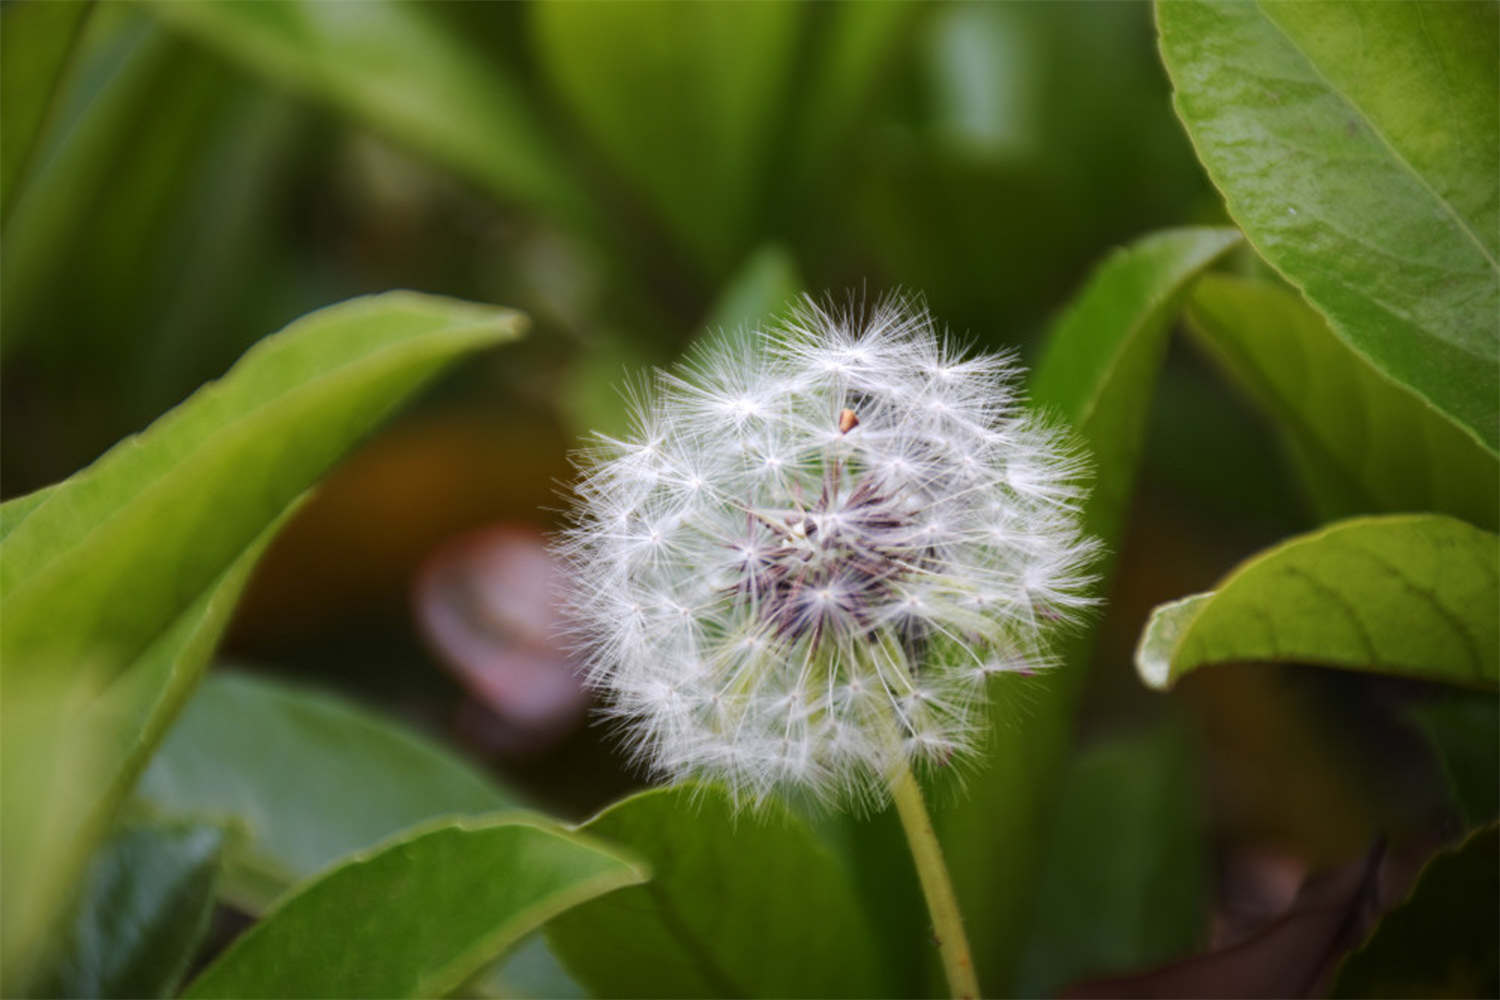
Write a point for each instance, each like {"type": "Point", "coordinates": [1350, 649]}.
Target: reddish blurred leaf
{"type": "Point", "coordinates": [487, 604]}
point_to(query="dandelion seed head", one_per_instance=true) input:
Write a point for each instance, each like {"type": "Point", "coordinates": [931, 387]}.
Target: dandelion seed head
{"type": "Point", "coordinates": [817, 546]}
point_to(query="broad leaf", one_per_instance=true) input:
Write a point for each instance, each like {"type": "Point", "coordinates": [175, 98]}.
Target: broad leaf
{"type": "Point", "coordinates": [119, 582]}
{"type": "Point", "coordinates": [144, 909]}
{"type": "Point", "coordinates": [1363, 443]}
{"type": "Point", "coordinates": [1097, 374]}
{"type": "Point", "coordinates": [685, 110]}
{"type": "Point", "coordinates": [1125, 884]}
{"type": "Point", "coordinates": [1408, 595]}
{"type": "Point", "coordinates": [1354, 143]}
{"type": "Point", "coordinates": [392, 66]}
{"type": "Point", "coordinates": [239, 755]}
{"type": "Point", "coordinates": [747, 905]}
{"type": "Point", "coordinates": [1441, 941]}
{"type": "Point", "coordinates": [418, 915]}
{"type": "Point", "coordinates": [36, 42]}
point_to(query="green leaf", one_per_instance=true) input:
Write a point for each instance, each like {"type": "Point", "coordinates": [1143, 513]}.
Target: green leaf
{"type": "Point", "coordinates": [1463, 729]}
{"type": "Point", "coordinates": [119, 582]}
{"type": "Point", "coordinates": [764, 284]}
{"type": "Point", "coordinates": [530, 972]}
{"type": "Point", "coordinates": [738, 905]}
{"type": "Point", "coordinates": [71, 741]}
{"type": "Point", "coordinates": [144, 909]}
{"type": "Point", "coordinates": [685, 110]}
{"type": "Point", "coordinates": [763, 287]}
{"type": "Point", "coordinates": [1100, 360]}
{"type": "Point", "coordinates": [36, 43]}
{"type": "Point", "coordinates": [391, 66]}
{"type": "Point", "coordinates": [1125, 884]}
{"type": "Point", "coordinates": [1354, 143]}
{"type": "Point", "coordinates": [1408, 595]}
{"type": "Point", "coordinates": [857, 43]}
{"type": "Point", "coordinates": [128, 125]}
{"type": "Point", "coordinates": [1097, 372]}
{"type": "Point", "coordinates": [1364, 444]}
{"type": "Point", "coordinates": [418, 915]}
{"type": "Point", "coordinates": [239, 756]}
{"type": "Point", "coordinates": [1441, 941]}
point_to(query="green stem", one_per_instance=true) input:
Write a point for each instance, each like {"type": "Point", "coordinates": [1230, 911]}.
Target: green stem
{"type": "Point", "coordinates": [947, 922]}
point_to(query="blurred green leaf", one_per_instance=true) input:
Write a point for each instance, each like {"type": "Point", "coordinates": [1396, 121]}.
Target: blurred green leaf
{"type": "Point", "coordinates": [1100, 359]}
{"type": "Point", "coordinates": [144, 909]}
{"type": "Point", "coordinates": [856, 44]}
{"type": "Point", "coordinates": [36, 42]}
{"type": "Point", "coordinates": [1463, 729]}
{"type": "Point", "coordinates": [763, 287]}
{"type": "Point", "coordinates": [240, 754]}
{"type": "Point", "coordinates": [1364, 444]}
{"type": "Point", "coordinates": [1442, 941]}
{"type": "Point", "coordinates": [1125, 884]}
{"type": "Point", "coordinates": [119, 582]}
{"type": "Point", "coordinates": [1409, 595]}
{"type": "Point", "coordinates": [111, 131]}
{"type": "Point", "coordinates": [13, 512]}
{"type": "Point", "coordinates": [73, 734]}
{"type": "Point", "coordinates": [593, 395]}
{"type": "Point", "coordinates": [419, 914]}
{"type": "Point", "coordinates": [1354, 143]}
{"type": "Point", "coordinates": [1097, 373]}
{"type": "Point", "coordinates": [530, 972]}
{"type": "Point", "coordinates": [738, 905]}
{"type": "Point", "coordinates": [685, 108]}
{"type": "Point", "coordinates": [390, 66]}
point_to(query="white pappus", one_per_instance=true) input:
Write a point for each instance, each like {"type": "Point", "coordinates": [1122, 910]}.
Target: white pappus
{"type": "Point", "coordinates": [817, 544]}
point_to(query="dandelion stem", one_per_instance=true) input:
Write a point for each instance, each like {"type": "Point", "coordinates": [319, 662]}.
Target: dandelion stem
{"type": "Point", "coordinates": [947, 922]}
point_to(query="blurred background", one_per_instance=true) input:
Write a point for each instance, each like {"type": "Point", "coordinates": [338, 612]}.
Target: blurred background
{"type": "Point", "coordinates": [630, 176]}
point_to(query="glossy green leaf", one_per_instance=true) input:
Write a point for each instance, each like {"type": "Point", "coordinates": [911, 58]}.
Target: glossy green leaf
{"type": "Point", "coordinates": [1441, 941]}
{"type": "Point", "coordinates": [1363, 443]}
{"type": "Point", "coordinates": [36, 42]}
{"type": "Point", "coordinates": [1409, 595]}
{"type": "Point", "coordinates": [1354, 143]}
{"type": "Point", "coordinates": [738, 905]}
{"type": "Point", "coordinates": [417, 915]}
{"type": "Point", "coordinates": [239, 754]}
{"type": "Point", "coordinates": [119, 582]}
{"type": "Point", "coordinates": [392, 66]}
{"type": "Point", "coordinates": [144, 909]}
{"type": "Point", "coordinates": [686, 110]}
{"type": "Point", "coordinates": [1142, 899]}
{"type": "Point", "coordinates": [1097, 373]}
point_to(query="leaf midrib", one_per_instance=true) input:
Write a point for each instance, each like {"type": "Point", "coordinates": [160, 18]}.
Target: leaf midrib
{"type": "Point", "coordinates": [1369, 122]}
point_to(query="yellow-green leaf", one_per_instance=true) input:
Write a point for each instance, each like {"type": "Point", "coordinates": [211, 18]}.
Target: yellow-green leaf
{"type": "Point", "coordinates": [1409, 595]}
